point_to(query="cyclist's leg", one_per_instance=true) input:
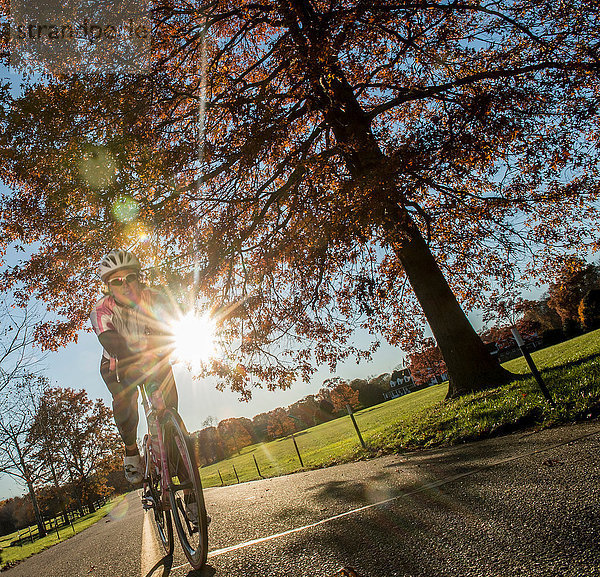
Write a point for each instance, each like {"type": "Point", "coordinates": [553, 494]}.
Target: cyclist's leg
{"type": "Point", "coordinates": [168, 387]}
{"type": "Point", "coordinates": [125, 409]}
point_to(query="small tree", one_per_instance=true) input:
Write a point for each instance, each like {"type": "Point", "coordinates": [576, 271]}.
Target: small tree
{"type": "Point", "coordinates": [260, 424]}
{"type": "Point", "coordinates": [87, 443]}
{"type": "Point", "coordinates": [426, 363]}
{"type": "Point", "coordinates": [236, 433]}
{"type": "Point", "coordinates": [370, 392]}
{"type": "Point", "coordinates": [210, 446]}
{"type": "Point", "coordinates": [341, 395]}
{"type": "Point", "coordinates": [17, 453]}
{"type": "Point", "coordinates": [589, 310]}
{"type": "Point", "coordinates": [574, 280]}
{"type": "Point", "coordinates": [308, 411]}
{"type": "Point", "coordinates": [280, 424]}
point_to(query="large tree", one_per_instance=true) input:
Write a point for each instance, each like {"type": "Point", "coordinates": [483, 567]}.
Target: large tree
{"type": "Point", "coordinates": [308, 159]}
{"type": "Point", "coordinates": [86, 444]}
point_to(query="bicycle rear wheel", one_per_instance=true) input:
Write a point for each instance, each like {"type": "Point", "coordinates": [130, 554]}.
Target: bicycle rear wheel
{"type": "Point", "coordinates": [185, 491]}
{"type": "Point", "coordinates": [153, 497]}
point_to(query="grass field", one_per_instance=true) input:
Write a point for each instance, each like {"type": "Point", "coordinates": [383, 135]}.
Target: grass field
{"type": "Point", "coordinates": [10, 555]}
{"type": "Point", "coordinates": [571, 371]}
{"type": "Point", "coordinates": [319, 446]}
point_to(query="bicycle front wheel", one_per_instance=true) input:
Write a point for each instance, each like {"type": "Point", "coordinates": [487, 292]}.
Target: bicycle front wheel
{"type": "Point", "coordinates": [185, 491]}
{"type": "Point", "coordinates": [153, 498]}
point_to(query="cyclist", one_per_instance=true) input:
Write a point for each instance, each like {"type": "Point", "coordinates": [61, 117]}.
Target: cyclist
{"type": "Point", "coordinates": [127, 320]}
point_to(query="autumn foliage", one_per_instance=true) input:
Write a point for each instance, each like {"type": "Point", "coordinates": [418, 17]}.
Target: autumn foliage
{"type": "Point", "coordinates": [426, 363]}
{"type": "Point", "coordinates": [339, 165]}
{"type": "Point", "coordinates": [342, 396]}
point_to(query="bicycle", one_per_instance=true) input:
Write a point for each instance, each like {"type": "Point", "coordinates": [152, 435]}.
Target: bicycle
{"type": "Point", "coordinates": [172, 488]}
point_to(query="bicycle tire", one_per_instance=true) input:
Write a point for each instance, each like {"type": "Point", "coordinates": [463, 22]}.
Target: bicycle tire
{"type": "Point", "coordinates": [162, 515]}
{"type": "Point", "coordinates": [184, 488]}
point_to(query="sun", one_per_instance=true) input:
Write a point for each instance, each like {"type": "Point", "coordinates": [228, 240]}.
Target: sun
{"type": "Point", "coordinates": [194, 338]}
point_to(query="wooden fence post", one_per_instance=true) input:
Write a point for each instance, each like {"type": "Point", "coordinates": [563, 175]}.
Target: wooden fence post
{"type": "Point", "coordinates": [297, 450]}
{"type": "Point", "coordinates": [256, 463]}
{"type": "Point", "coordinates": [349, 409]}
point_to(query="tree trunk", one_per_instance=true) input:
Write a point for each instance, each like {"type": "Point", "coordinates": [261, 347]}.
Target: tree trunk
{"type": "Point", "coordinates": [34, 502]}
{"type": "Point", "coordinates": [60, 492]}
{"type": "Point", "coordinates": [470, 365]}
{"type": "Point", "coordinates": [36, 509]}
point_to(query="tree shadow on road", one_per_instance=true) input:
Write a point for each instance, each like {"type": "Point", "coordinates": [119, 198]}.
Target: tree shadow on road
{"type": "Point", "coordinates": [363, 491]}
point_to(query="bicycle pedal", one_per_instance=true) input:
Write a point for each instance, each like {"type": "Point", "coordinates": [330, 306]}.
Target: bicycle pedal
{"type": "Point", "coordinates": [147, 502]}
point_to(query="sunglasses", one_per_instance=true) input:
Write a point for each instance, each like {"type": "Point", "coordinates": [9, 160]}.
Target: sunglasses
{"type": "Point", "coordinates": [118, 281]}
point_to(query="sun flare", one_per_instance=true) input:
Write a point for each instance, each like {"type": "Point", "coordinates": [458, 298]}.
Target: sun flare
{"type": "Point", "coordinates": [194, 338]}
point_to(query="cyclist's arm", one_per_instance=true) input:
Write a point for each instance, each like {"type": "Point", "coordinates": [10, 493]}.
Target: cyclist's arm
{"type": "Point", "coordinates": [111, 340]}
{"type": "Point", "coordinates": [114, 344]}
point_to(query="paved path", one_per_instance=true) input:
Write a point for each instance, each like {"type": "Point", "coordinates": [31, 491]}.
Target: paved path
{"type": "Point", "coordinates": [527, 504]}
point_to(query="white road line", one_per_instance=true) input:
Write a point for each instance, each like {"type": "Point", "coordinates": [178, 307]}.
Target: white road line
{"type": "Point", "coordinates": [245, 544]}
{"type": "Point", "coordinates": [335, 517]}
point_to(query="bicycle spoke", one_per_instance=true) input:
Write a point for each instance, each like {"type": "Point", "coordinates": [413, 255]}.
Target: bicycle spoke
{"type": "Point", "coordinates": [152, 498]}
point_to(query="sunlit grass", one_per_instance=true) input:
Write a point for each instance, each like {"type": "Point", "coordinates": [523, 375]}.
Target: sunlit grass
{"type": "Point", "coordinates": [322, 445]}
{"type": "Point", "coordinates": [571, 371]}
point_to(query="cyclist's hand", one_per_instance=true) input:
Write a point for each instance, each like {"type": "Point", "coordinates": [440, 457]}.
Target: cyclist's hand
{"type": "Point", "coordinates": [130, 373]}
{"type": "Point", "coordinates": [137, 369]}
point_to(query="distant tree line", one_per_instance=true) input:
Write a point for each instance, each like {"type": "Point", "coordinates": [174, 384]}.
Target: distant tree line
{"type": "Point", "coordinates": [62, 446]}
{"type": "Point", "coordinates": [230, 436]}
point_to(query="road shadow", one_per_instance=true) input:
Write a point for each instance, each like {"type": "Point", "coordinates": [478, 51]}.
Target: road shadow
{"type": "Point", "coordinates": [418, 470]}
{"type": "Point", "coordinates": [162, 568]}
{"type": "Point", "coordinates": [365, 491]}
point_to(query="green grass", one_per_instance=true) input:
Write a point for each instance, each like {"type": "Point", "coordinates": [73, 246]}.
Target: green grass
{"type": "Point", "coordinates": [571, 371]}
{"type": "Point", "coordinates": [11, 555]}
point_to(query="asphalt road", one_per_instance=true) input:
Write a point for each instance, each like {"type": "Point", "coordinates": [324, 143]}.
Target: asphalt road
{"type": "Point", "coordinates": [527, 504]}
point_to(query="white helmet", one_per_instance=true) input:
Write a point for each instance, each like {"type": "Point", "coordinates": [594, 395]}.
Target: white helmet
{"type": "Point", "coordinates": [116, 260]}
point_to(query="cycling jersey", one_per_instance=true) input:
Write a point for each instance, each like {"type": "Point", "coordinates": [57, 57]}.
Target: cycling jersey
{"type": "Point", "coordinates": [133, 323]}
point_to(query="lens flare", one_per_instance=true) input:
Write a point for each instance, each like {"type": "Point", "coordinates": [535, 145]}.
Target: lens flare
{"type": "Point", "coordinates": [194, 338]}
{"type": "Point", "coordinates": [119, 511]}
